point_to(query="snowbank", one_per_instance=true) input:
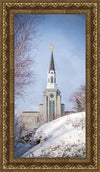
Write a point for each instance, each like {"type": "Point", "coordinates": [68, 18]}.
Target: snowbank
{"type": "Point", "coordinates": [63, 137]}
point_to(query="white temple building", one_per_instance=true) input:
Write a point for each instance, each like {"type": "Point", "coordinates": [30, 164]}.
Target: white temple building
{"type": "Point", "coordinates": [51, 107]}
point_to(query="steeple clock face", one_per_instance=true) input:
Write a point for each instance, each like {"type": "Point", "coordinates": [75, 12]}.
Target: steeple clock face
{"type": "Point", "coordinates": [51, 95]}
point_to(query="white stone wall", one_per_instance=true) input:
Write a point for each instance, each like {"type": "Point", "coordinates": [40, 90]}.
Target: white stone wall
{"type": "Point", "coordinates": [58, 105]}
{"type": "Point", "coordinates": [62, 109]}
{"type": "Point", "coordinates": [56, 99]}
{"type": "Point", "coordinates": [29, 121]}
{"type": "Point", "coordinates": [41, 109]}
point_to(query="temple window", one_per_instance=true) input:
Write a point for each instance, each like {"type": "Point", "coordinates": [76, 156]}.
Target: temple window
{"type": "Point", "coordinates": [51, 79]}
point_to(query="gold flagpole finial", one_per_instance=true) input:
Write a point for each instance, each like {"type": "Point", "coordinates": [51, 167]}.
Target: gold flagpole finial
{"type": "Point", "coordinates": [52, 48]}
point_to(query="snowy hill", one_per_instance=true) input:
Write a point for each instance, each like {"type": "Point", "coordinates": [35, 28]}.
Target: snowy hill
{"type": "Point", "coordinates": [63, 137]}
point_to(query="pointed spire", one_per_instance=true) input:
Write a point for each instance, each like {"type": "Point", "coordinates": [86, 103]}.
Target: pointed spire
{"type": "Point", "coordinates": [52, 66]}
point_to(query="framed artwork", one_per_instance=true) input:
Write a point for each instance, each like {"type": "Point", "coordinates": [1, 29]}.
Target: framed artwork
{"type": "Point", "coordinates": [62, 79]}
{"type": "Point", "coordinates": [49, 85]}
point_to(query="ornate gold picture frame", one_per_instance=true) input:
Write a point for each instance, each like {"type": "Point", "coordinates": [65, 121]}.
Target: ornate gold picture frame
{"type": "Point", "coordinates": [7, 11]}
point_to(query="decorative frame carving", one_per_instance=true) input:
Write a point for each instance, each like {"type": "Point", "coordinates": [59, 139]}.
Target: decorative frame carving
{"type": "Point", "coordinates": [8, 9]}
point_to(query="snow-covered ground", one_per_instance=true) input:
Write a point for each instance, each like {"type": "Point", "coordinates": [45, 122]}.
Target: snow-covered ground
{"type": "Point", "coordinates": [63, 137]}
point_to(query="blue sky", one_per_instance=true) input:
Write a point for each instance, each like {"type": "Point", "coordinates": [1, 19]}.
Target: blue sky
{"type": "Point", "coordinates": [67, 34]}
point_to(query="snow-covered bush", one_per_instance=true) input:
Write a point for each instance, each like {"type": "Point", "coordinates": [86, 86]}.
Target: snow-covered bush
{"type": "Point", "coordinates": [63, 137]}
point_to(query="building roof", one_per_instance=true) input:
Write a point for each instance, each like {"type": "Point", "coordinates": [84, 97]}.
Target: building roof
{"type": "Point", "coordinates": [52, 66]}
{"type": "Point", "coordinates": [30, 112]}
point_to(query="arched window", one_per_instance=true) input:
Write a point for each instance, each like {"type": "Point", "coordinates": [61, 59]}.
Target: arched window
{"type": "Point", "coordinates": [51, 79]}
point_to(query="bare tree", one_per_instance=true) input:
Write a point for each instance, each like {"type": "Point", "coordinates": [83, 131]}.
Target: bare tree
{"type": "Point", "coordinates": [78, 99]}
{"type": "Point", "coordinates": [26, 34]}
{"type": "Point", "coordinates": [26, 38]}
{"type": "Point", "coordinates": [21, 128]}
{"type": "Point", "coordinates": [16, 126]}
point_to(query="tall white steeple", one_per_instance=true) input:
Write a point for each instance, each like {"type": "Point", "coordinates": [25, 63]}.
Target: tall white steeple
{"type": "Point", "coordinates": [51, 80]}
